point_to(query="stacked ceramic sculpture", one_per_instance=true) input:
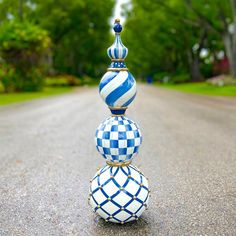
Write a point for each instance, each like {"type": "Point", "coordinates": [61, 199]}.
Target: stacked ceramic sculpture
{"type": "Point", "coordinates": [119, 191]}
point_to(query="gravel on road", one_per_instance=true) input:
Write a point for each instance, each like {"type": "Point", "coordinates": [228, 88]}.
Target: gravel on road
{"type": "Point", "coordinates": [48, 156]}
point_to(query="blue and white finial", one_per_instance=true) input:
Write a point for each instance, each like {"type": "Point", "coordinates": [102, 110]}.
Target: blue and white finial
{"type": "Point", "coordinates": [119, 192]}
{"type": "Point", "coordinates": [117, 26]}
{"type": "Point", "coordinates": [117, 87]}
{"type": "Point", "coordinates": [117, 52]}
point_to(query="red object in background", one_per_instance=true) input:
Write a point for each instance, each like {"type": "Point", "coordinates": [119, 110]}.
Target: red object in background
{"type": "Point", "coordinates": [221, 66]}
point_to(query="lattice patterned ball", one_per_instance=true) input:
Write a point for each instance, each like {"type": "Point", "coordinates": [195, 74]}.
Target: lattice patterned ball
{"type": "Point", "coordinates": [117, 88]}
{"type": "Point", "coordinates": [118, 139]}
{"type": "Point", "coordinates": [119, 194]}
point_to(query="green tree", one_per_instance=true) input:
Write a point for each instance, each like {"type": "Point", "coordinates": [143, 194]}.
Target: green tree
{"type": "Point", "coordinates": [80, 39]}
{"type": "Point", "coordinates": [79, 30]}
{"type": "Point", "coordinates": [172, 34]}
{"type": "Point", "coordinates": [22, 46]}
{"type": "Point", "coordinates": [159, 41]}
{"type": "Point", "coordinates": [16, 9]}
{"type": "Point", "coordinates": [219, 17]}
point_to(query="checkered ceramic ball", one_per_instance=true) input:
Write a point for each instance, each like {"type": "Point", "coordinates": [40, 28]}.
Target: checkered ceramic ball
{"type": "Point", "coordinates": [119, 194]}
{"type": "Point", "coordinates": [118, 139]}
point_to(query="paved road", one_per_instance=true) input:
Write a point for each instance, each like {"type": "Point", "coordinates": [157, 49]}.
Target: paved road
{"type": "Point", "coordinates": [47, 158]}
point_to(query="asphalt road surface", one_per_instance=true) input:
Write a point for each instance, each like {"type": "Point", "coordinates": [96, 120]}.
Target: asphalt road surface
{"type": "Point", "coordinates": [47, 157]}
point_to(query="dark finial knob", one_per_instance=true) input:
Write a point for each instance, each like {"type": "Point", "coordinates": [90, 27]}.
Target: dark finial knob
{"type": "Point", "coordinates": [117, 26]}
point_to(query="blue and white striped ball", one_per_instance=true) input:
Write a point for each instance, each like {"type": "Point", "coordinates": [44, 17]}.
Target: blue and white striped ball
{"type": "Point", "coordinates": [118, 139]}
{"type": "Point", "coordinates": [117, 88]}
{"type": "Point", "coordinates": [119, 194]}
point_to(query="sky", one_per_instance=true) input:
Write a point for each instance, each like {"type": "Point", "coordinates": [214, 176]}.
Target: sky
{"type": "Point", "coordinates": [118, 10]}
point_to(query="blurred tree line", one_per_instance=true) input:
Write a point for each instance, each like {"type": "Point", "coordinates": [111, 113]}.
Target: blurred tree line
{"type": "Point", "coordinates": [55, 36]}
{"type": "Point", "coordinates": [180, 40]}
{"type": "Point", "coordinates": [183, 38]}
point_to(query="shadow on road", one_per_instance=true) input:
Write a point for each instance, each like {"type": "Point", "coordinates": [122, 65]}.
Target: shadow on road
{"type": "Point", "coordinates": [141, 226]}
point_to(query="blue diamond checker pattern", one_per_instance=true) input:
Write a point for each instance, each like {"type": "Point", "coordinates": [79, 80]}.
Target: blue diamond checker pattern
{"type": "Point", "coordinates": [119, 194]}
{"type": "Point", "coordinates": [118, 139]}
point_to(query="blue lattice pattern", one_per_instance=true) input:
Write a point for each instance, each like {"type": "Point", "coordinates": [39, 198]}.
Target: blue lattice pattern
{"type": "Point", "coordinates": [119, 194]}
{"type": "Point", "coordinates": [118, 139]}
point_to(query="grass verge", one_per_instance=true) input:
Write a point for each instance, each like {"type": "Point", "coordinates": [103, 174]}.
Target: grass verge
{"type": "Point", "coordinates": [10, 98]}
{"type": "Point", "coordinates": [202, 88]}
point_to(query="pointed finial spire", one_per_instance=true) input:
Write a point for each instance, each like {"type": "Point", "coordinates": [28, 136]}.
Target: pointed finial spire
{"type": "Point", "coordinates": [117, 51]}
{"type": "Point", "coordinates": [117, 87]}
{"type": "Point", "coordinates": [117, 26]}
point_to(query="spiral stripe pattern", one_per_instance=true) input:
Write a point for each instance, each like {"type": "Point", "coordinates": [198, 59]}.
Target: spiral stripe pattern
{"type": "Point", "coordinates": [117, 50]}
{"type": "Point", "coordinates": [118, 89]}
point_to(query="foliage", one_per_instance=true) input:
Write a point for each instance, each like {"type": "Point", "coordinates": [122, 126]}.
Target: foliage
{"type": "Point", "coordinates": [161, 77]}
{"type": "Point", "coordinates": [63, 80]}
{"type": "Point", "coordinates": [22, 46]}
{"type": "Point", "coordinates": [23, 36]}
{"type": "Point", "coordinates": [171, 35]}
{"type": "Point", "coordinates": [221, 80]}
{"type": "Point", "coordinates": [2, 89]}
{"type": "Point", "coordinates": [9, 98]}
{"type": "Point", "coordinates": [81, 38]}
{"type": "Point", "coordinates": [202, 88]}
{"type": "Point", "coordinates": [86, 80]}
{"type": "Point", "coordinates": [7, 78]}
{"type": "Point", "coordinates": [79, 30]}
{"type": "Point", "coordinates": [180, 78]}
